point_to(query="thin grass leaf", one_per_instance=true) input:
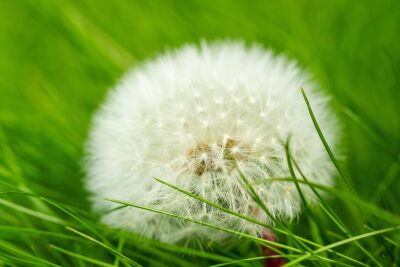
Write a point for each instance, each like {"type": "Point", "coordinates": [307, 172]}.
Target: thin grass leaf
{"type": "Point", "coordinates": [9, 260]}
{"type": "Point", "coordinates": [267, 243]}
{"type": "Point", "coordinates": [275, 257]}
{"type": "Point", "coordinates": [82, 257]}
{"type": "Point", "coordinates": [258, 200]}
{"type": "Point", "coordinates": [32, 212]}
{"type": "Point", "coordinates": [342, 242]}
{"type": "Point", "coordinates": [388, 239]}
{"type": "Point", "coordinates": [333, 159]}
{"type": "Point", "coordinates": [114, 251]}
{"type": "Point", "coordinates": [344, 196]}
{"type": "Point", "coordinates": [261, 204]}
{"type": "Point", "coordinates": [292, 174]}
{"type": "Point", "coordinates": [218, 206]}
{"type": "Point", "coordinates": [191, 252]}
{"type": "Point", "coordinates": [326, 145]}
{"type": "Point", "coordinates": [85, 223]}
{"type": "Point", "coordinates": [234, 262]}
{"type": "Point", "coordinates": [254, 220]}
{"type": "Point", "coordinates": [17, 173]}
{"type": "Point", "coordinates": [120, 246]}
{"type": "Point", "coordinates": [326, 208]}
{"type": "Point", "coordinates": [34, 231]}
{"type": "Point", "coordinates": [19, 252]}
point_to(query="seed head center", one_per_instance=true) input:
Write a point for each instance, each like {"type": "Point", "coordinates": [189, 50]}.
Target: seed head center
{"type": "Point", "coordinates": [217, 157]}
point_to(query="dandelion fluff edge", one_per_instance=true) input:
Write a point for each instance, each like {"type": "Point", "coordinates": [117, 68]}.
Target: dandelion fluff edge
{"type": "Point", "coordinates": [192, 117]}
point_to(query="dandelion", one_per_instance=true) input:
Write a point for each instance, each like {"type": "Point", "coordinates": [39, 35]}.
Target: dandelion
{"type": "Point", "coordinates": [194, 117]}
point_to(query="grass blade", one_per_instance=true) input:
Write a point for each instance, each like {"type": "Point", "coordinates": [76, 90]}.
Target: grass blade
{"type": "Point", "coordinates": [104, 246]}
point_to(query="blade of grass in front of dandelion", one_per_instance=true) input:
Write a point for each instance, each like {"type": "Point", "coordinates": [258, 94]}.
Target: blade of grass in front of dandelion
{"type": "Point", "coordinates": [254, 220]}
{"type": "Point", "coordinates": [329, 211]}
{"type": "Point", "coordinates": [334, 161]}
{"type": "Point", "coordinates": [225, 209]}
{"type": "Point", "coordinates": [343, 242]}
{"type": "Point", "coordinates": [274, 257]}
{"type": "Point", "coordinates": [247, 185]}
{"type": "Point", "coordinates": [325, 143]}
{"type": "Point", "coordinates": [320, 198]}
{"type": "Point", "coordinates": [219, 206]}
{"type": "Point", "coordinates": [233, 262]}
{"type": "Point", "coordinates": [267, 243]}
{"type": "Point", "coordinates": [292, 174]}
{"type": "Point", "coordinates": [312, 219]}
{"type": "Point", "coordinates": [259, 201]}
{"type": "Point", "coordinates": [257, 198]}
{"type": "Point", "coordinates": [344, 196]}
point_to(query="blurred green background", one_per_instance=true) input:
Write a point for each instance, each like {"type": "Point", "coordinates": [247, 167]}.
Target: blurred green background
{"type": "Point", "coordinates": [58, 59]}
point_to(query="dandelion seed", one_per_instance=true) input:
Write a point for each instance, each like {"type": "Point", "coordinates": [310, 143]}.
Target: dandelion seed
{"type": "Point", "coordinates": [164, 120]}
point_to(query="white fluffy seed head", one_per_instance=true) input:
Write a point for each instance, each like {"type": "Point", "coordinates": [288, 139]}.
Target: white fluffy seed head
{"type": "Point", "coordinates": [192, 117]}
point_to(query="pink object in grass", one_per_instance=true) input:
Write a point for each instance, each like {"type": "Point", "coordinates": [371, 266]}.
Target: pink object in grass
{"type": "Point", "coordinates": [271, 262]}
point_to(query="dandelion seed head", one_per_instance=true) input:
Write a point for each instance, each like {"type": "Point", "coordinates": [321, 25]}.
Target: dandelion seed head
{"type": "Point", "coordinates": [193, 117]}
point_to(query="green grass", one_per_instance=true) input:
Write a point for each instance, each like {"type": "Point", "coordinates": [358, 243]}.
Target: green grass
{"type": "Point", "coordinates": [58, 59]}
